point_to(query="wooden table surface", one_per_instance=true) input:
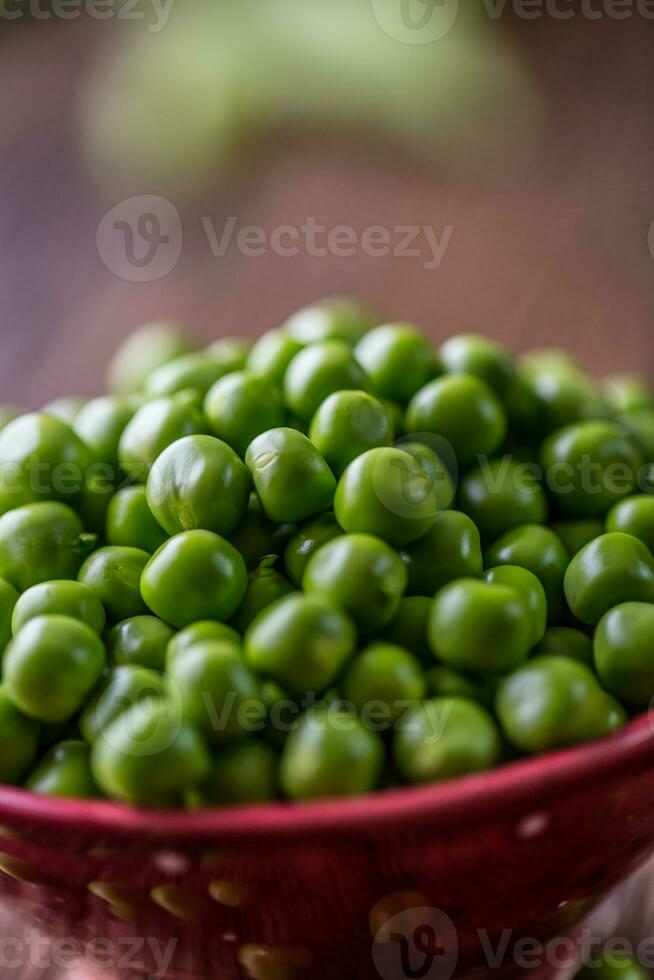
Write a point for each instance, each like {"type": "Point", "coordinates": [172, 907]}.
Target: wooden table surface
{"type": "Point", "coordinates": [554, 249]}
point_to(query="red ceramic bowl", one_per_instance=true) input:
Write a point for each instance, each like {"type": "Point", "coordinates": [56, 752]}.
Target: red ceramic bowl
{"type": "Point", "coordinates": [282, 891]}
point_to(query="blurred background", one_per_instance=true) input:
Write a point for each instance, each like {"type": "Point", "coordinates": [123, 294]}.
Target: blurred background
{"type": "Point", "coordinates": [473, 165]}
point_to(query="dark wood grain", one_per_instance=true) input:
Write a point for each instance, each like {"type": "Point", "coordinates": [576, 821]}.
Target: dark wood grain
{"type": "Point", "coordinates": [553, 249]}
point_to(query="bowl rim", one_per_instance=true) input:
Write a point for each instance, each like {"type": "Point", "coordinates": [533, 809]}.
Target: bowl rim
{"type": "Point", "coordinates": [526, 783]}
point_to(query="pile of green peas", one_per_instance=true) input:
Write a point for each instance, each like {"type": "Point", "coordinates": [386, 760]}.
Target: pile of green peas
{"type": "Point", "coordinates": [335, 561]}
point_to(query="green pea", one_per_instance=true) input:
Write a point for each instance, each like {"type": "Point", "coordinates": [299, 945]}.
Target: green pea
{"type": "Point", "coordinates": [408, 627]}
{"type": "Point", "coordinates": [64, 598]}
{"type": "Point", "coordinates": [41, 458]}
{"type": "Point", "coordinates": [318, 371]}
{"type": "Point", "coordinates": [51, 666]}
{"type": "Point", "coordinates": [143, 352]}
{"type": "Point", "coordinates": [640, 425]}
{"type": "Point", "coordinates": [361, 575]}
{"type": "Point", "coordinates": [533, 594]}
{"type": "Point", "coordinates": [614, 966]}
{"type": "Point", "coordinates": [551, 702]}
{"type": "Point", "coordinates": [230, 352]}
{"type": "Point", "coordinates": [198, 482]}
{"type": "Point", "coordinates": [193, 399]}
{"type": "Point", "coordinates": [65, 771]}
{"type": "Point", "coordinates": [152, 429]}
{"type": "Point", "coordinates": [113, 574]}
{"type": "Point", "coordinates": [200, 632]}
{"type": "Point", "coordinates": [334, 318]}
{"type": "Point", "coordinates": [301, 641]}
{"type": "Point", "coordinates": [100, 424]}
{"type": "Point", "coordinates": [330, 754]}
{"type": "Point", "coordinates": [40, 542]}
{"type": "Point", "coordinates": [479, 626]}
{"type": "Point", "coordinates": [122, 688]}
{"type": "Point", "coordinates": [589, 466]}
{"type": "Point", "coordinates": [271, 355]}
{"type": "Point", "coordinates": [194, 575]}
{"type": "Point", "coordinates": [243, 772]}
{"type": "Point", "coordinates": [626, 393]}
{"type": "Point", "coordinates": [19, 737]}
{"type": "Point", "coordinates": [634, 516]}
{"type": "Point", "coordinates": [446, 682]}
{"type": "Point", "coordinates": [149, 756]}
{"type": "Point", "coordinates": [563, 641]}
{"type": "Point", "coordinates": [624, 653]}
{"type": "Point", "coordinates": [479, 356]}
{"type": "Point", "coordinates": [195, 371]}
{"type": "Point", "coordinates": [434, 467]}
{"type": "Point", "coordinates": [217, 690]}
{"type": "Point", "coordinates": [398, 360]}
{"type": "Point", "coordinates": [574, 535]}
{"type": "Point", "coordinates": [564, 393]}
{"type": "Point", "coordinates": [445, 737]}
{"type": "Point", "coordinates": [306, 542]}
{"type": "Point", "coordinates": [545, 359]}
{"type": "Point", "coordinates": [8, 600]}
{"type": "Point", "coordinates": [291, 477]}
{"type": "Point", "coordinates": [96, 496]}
{"type": "Point", "coordinates": [241, 406]}
{"type": "Point", "coordinates": [280, 710]}
{"type": "Point", "coordinates": [539, 550]}
{"type": "Point", "coordinates": [523, 411]}
{"type": "Point", "coordinates": [384, 676]}
{"type": "Point", "coordinates": [65, 409]}
{"type": "Point", "coordinates": [265, 585]}
{"type": "Point", "coordinates": [463, 410]}
{"type": "Point", "coordinates": [271, 694]}
{"type": "Point", "coordinates": [257, 536]}
{"type": "Point", "coordinates": [386, 492]}
{"type": "Point", "coordinates": [451, 549]}
{"type": "Point", "coordinates": [395, 412]}
{"type": "Point", "coordinates": [612, 569]}
{"type": "Point", "coordinates": [130, 522]}
{"type": "Point", "coordinates": [347, 424]}
{"type": "Point", "coordinates": [500, 495]}
{"type": "Point", "coordinates": [267, 469]}
{"type": "Point", "coordinates": [140, 642]}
